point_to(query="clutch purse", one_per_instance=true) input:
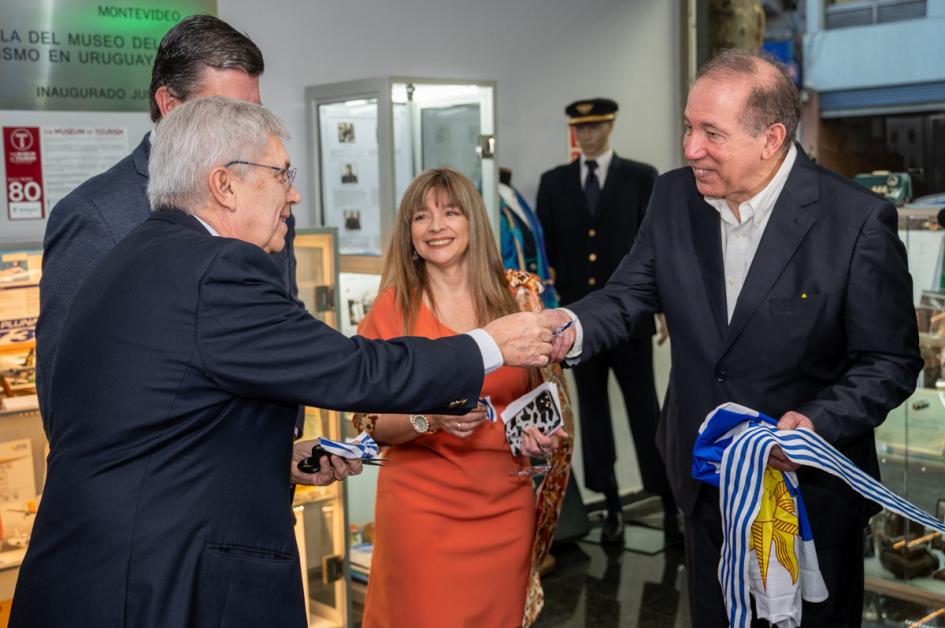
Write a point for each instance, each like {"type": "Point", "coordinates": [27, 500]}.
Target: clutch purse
{"type": "Point", "coordinates": [537, 408]}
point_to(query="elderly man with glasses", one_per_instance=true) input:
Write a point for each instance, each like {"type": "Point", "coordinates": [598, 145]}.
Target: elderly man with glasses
{"type": "Point", "coordinates": [176, 385]}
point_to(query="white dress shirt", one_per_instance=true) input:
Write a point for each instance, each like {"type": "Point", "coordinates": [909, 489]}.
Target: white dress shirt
{"type": "Point", "coordinates": [603, 164]}
{"type": "Point", "coordinates": [491, 354]}
{"type": "Point", "coordinates": [739, 240]}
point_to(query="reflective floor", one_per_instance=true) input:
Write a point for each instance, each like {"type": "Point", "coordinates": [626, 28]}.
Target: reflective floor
{"type": "Point", "coordinates": [600, 587]}
{"type": "Point", "coordinates": [594, 586]}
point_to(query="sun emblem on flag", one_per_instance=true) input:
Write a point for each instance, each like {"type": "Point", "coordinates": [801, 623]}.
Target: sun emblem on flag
{"type": "Point", "coordinates": [775, 525]}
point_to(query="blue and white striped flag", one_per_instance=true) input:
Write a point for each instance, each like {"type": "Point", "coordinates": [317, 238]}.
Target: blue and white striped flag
{"type": "Point", "coordinates": [364, 449]}
{"type": "Point", "coordinates": [731, 452]}
{"type": "Point", "coordinates": [490, 409]}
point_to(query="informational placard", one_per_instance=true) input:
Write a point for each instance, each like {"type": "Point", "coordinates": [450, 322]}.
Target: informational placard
{"type": "Point", "coordinates": [24, 170]}
{"type": "Point", "coordinates": [358, 291]}
{"type": "Point", "coordinates": [43, 164]}
{"type": "Point", "coordinates": [73, 154]}
{"type": "Point", "coordinates": [75, 55]}
{"type": "Point", "coordinates": [349, 175]}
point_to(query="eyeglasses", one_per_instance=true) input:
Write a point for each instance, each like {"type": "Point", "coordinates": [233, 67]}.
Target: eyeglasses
{"type": "Point", "coordinates": [286, 174]}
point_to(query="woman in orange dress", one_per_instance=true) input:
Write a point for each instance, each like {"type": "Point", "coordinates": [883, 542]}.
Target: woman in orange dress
{"type": "Point", "coordinates": [454, 527]}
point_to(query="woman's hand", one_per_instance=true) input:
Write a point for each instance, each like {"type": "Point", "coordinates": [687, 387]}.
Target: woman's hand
{"type": "Point", "coordinates": [537, 445]}
{"type": "Point", "coordinates": [461, 426]}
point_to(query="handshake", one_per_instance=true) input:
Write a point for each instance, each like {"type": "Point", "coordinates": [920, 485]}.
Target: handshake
{"type": "Point", "coordinates": [533, 339]}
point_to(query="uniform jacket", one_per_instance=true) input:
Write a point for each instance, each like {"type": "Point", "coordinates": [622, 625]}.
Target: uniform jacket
{"type": "Point", "coordinates": [824, 324]}
{"type": "Point", "coordinates": [584, 250]}
{"type": "Point", "coordinates": [182, 365]}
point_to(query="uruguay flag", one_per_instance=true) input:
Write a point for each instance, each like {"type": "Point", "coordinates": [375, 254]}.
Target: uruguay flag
{"type": "Point", "coordinates": [768, 552]}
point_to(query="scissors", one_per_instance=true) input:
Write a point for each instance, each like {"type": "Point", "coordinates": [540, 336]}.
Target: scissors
{"type": "Point", "coordinates": [563, 328]}
{"type": "Point", "coordinates": [312, 463]}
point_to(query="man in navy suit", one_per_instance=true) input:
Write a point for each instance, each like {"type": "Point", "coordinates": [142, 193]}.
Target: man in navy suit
{"type": "Point", "coordinates": [786, 289]}
{"type": "Point", "coordinates": [200, 56]}
{"type": "Point", "coordinates": [590, 211]}
{"type": "Point", "coordinates": [182, 364]}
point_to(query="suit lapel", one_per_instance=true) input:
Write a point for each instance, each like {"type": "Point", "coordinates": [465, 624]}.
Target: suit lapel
{"type": "Point", "coordinates": [791, 219]}
{"type": "Point", "coordinates": [572, 188]}
{"type": "Point", "coordinates": [141, 155]}
{"type": "Point", "coordinates": [707, 238]}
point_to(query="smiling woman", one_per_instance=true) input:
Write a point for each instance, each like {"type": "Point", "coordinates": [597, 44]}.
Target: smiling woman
{"type": "Point", "coordinates": [448, 484]}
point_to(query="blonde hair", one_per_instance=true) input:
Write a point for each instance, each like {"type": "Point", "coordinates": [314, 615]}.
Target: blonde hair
{"type": "Point", "coordinates": [405, 271]}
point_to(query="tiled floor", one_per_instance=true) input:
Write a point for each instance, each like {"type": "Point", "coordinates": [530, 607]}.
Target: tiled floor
{"type": "Point", "coordinates": [593, 586]}
{"type": "Point", "coordinates": [602, 587]}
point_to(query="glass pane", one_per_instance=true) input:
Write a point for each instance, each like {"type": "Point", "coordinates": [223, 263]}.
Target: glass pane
{"type": "Point", "coordinates": [439, 125]}
{"type": "Point", "coordinates": [349, 174]}
{"type": "Point", "coordinates": [450, 138]}
{"type": "Point", "coordinates": [911, 442]}
{"type": "Point", "coordinates": [315, 275]}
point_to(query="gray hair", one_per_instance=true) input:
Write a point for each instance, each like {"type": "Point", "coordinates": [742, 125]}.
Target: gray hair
{"type": "Point", "coordinates": [198, 136]}
{"type": "Point", "coordinates": [773, 97]}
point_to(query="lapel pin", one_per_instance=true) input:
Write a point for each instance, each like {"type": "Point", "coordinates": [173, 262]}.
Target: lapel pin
{"type": "Point", "coordinates": [803, 295]}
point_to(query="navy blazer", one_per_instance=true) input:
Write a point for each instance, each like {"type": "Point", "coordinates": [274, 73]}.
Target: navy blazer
{"type": "Point", "coordinates": [82, 228]}
{"type": "Point", "coordinates": [172, 403]}
{"type": "Point", "coordinates": [824, 324]}
{"type": "Point", "coordinates": [583, 247]}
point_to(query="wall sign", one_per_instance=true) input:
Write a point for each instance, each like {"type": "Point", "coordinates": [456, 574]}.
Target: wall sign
{"type": "Point", "coordinates": [76, 55]}
{"type": "Point", "coordinates": [24, 168]}
{"type": "Point", "coordinates": [43, 164]}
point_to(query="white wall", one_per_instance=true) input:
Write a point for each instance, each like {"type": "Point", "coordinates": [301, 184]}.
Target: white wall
{"type": "Point", "coordinates": [543, 54]}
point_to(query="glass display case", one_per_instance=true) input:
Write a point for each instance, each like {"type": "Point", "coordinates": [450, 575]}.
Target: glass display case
{"type": "Point", "coordinates": [904, 564]}
{"type": "Point", "coordinates": [22, 440]}
{"type": "Point", "coordinates": [369, 138]}
{"type": "Point", "coordinates": [321, 513]}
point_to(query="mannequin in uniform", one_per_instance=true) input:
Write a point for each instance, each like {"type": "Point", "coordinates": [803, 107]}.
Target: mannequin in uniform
{"type": "Point", "coordinates": [590, 211]}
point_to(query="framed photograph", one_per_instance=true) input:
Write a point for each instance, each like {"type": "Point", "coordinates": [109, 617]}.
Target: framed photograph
{"type": "Point", "coordinates": [346, 133]}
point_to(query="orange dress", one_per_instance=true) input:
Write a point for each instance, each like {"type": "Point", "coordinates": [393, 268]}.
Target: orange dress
{"type": "Point", "coordinates": [453, 539]}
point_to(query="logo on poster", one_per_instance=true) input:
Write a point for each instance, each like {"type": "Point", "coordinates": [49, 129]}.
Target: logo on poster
{"type": "Point", "coordinates": [21, 139]}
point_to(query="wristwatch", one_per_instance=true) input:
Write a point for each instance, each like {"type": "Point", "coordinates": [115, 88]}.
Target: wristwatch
{"type": "Point", "coordinates": [420, 423]}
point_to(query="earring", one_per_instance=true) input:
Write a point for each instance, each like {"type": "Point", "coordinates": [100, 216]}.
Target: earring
{"type": "Point", "coordinates": [414, 255]}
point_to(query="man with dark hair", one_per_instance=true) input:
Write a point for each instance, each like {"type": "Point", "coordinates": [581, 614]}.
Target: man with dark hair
{"type": "Point", "coordinates": [200, 56]}
{"type": "Point", "coordinates": [196, 51]}
{"type": "Point", "coordinates": [786, 290]}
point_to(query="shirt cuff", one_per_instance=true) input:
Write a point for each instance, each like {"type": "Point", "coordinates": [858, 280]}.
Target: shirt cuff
{"type": "Point", "coordinates": [491, 354]}
{"type": "Point", "coordinates": [578, 347]}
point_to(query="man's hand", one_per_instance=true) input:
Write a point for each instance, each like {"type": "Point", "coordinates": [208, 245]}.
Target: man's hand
{"type": "Point", "coordinates": [563, 342]}
{"type": "Point", "coordinates": [662, 329]}
{"type": "Point", "coordinates": [330, 468]}
{"type": "Point", "coordinates": [524, 339]}
{"type": "Point", "coordinates": [790, 421]}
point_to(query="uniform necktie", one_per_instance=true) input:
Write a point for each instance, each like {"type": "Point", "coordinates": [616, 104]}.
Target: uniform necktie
{"type": "Point", "coordinates": [591, 187]}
